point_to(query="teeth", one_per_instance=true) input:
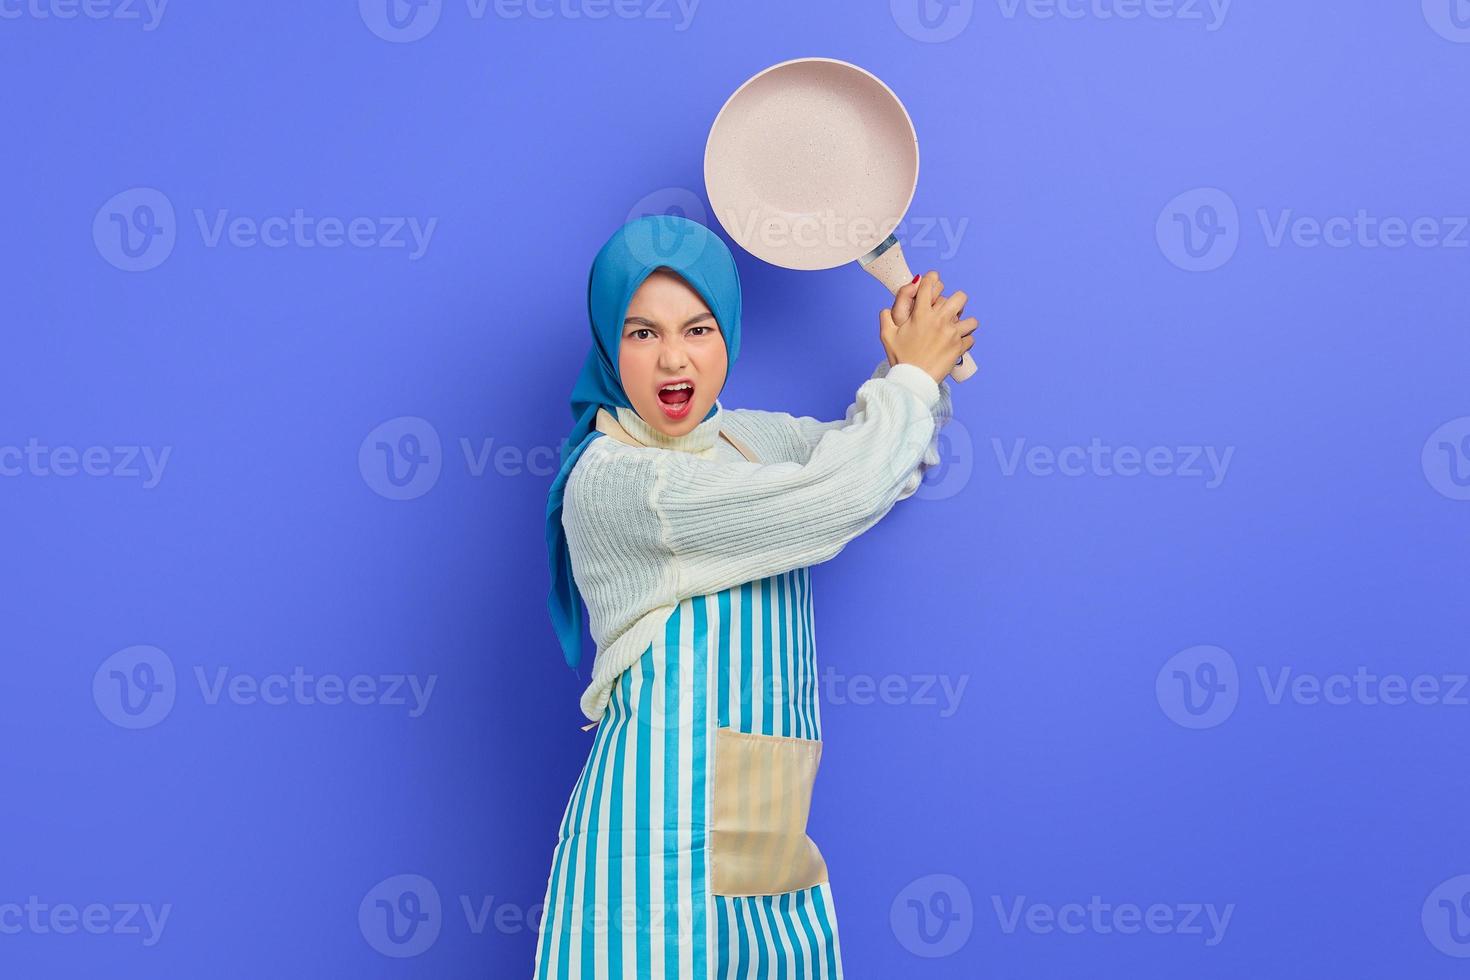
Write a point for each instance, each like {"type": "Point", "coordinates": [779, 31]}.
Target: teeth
{"type": "Point", "coordinates": [678, 387]}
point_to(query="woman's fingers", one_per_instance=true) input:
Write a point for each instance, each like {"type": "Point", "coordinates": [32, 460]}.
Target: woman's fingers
{"type": "Point", "coordinates": [903, 302]}
{"type": "Point", "coordinates": [929, 287]}
{"type": "Point", "coordinates": [968, 325]}
{"type": "Point", "coordinates": [954, 304]}
{"type": "Point", "coordinates": [886, 330]}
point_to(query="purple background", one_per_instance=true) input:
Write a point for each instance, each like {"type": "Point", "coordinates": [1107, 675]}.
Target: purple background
{"type": "Point", "coordinates": [1337, 538]}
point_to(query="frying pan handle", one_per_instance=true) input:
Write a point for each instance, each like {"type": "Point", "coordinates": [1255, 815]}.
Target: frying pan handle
{"type": "Point", "coordinates": [887, 264]}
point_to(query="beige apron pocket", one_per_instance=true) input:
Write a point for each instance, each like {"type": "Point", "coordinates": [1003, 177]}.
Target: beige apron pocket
{"type": "Point", "coordinates": [761, 798]}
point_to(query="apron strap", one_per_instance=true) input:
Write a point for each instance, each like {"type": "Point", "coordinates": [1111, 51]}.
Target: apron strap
{"type": "Point", "coordinates": [609, 426]}
{"type": "Point", "coordinates": [740, 446]}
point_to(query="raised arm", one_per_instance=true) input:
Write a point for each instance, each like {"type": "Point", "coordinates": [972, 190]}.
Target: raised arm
{"type": "Point", "coordinates": [717, 524]}
{"type": "Point", "coordinates": [792, 438]}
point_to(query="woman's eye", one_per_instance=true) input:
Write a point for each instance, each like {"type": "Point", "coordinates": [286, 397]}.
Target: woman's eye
{"type": "Point", "coordinates": [641, 330]}
{"type": "Point", "coordinates": [701, 328]}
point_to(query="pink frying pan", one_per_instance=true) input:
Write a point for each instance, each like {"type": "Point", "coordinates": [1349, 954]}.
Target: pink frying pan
{"type": "Point", "coordinates": [812, 164]}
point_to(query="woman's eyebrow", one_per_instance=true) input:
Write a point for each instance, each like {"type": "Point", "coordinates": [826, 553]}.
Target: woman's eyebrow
{"type": "Point", "coordinates": [644, 321]}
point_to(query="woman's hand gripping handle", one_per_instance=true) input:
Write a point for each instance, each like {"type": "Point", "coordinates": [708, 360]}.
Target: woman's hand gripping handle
{"type": "Point", "coordinates": [925, 328]}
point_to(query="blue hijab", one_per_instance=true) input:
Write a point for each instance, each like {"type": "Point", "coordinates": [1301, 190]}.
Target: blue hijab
{"type": "Point", "coordinates": [635, 250]}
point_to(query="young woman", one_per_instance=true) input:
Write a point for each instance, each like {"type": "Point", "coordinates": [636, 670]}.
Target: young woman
{"type": "Point", "coordinates": [689, 529]}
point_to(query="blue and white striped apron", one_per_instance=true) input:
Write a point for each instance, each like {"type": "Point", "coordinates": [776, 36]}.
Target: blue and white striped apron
{"type": "Point", "coordinates": [629, 893]}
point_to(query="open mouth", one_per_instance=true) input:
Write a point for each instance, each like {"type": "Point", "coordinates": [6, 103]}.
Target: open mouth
{"type": "Point", "coordinates": [676, 398]}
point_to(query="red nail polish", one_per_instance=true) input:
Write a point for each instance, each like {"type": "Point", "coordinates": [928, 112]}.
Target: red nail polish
{"type": "Point", "coordinates": [915, 279]}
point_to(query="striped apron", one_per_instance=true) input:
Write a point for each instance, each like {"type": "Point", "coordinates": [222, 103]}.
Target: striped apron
{"type": "Point", "coordinates": [683, 853]}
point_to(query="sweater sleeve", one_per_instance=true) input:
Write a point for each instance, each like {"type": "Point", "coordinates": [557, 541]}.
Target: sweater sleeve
{"type": "Point", "coordinates": [794, 437]}
{"type": "Point", "coordinates": [717, 524]}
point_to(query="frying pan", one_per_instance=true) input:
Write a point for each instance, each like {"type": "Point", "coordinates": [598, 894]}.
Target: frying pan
{"type": "Point", "coordinates": [812, 164]}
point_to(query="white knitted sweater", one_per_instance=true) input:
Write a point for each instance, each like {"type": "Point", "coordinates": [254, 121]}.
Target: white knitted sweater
{"type": "Point", "coordinates": [647, 528]}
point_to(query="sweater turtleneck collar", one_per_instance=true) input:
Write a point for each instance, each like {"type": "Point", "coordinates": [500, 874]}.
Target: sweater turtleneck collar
{"type": "Point", "coordinates": [699, 441]}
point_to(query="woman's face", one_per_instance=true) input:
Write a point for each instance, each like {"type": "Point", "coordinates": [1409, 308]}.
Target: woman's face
{"type": "Point", "coordinates": [670, 336]}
